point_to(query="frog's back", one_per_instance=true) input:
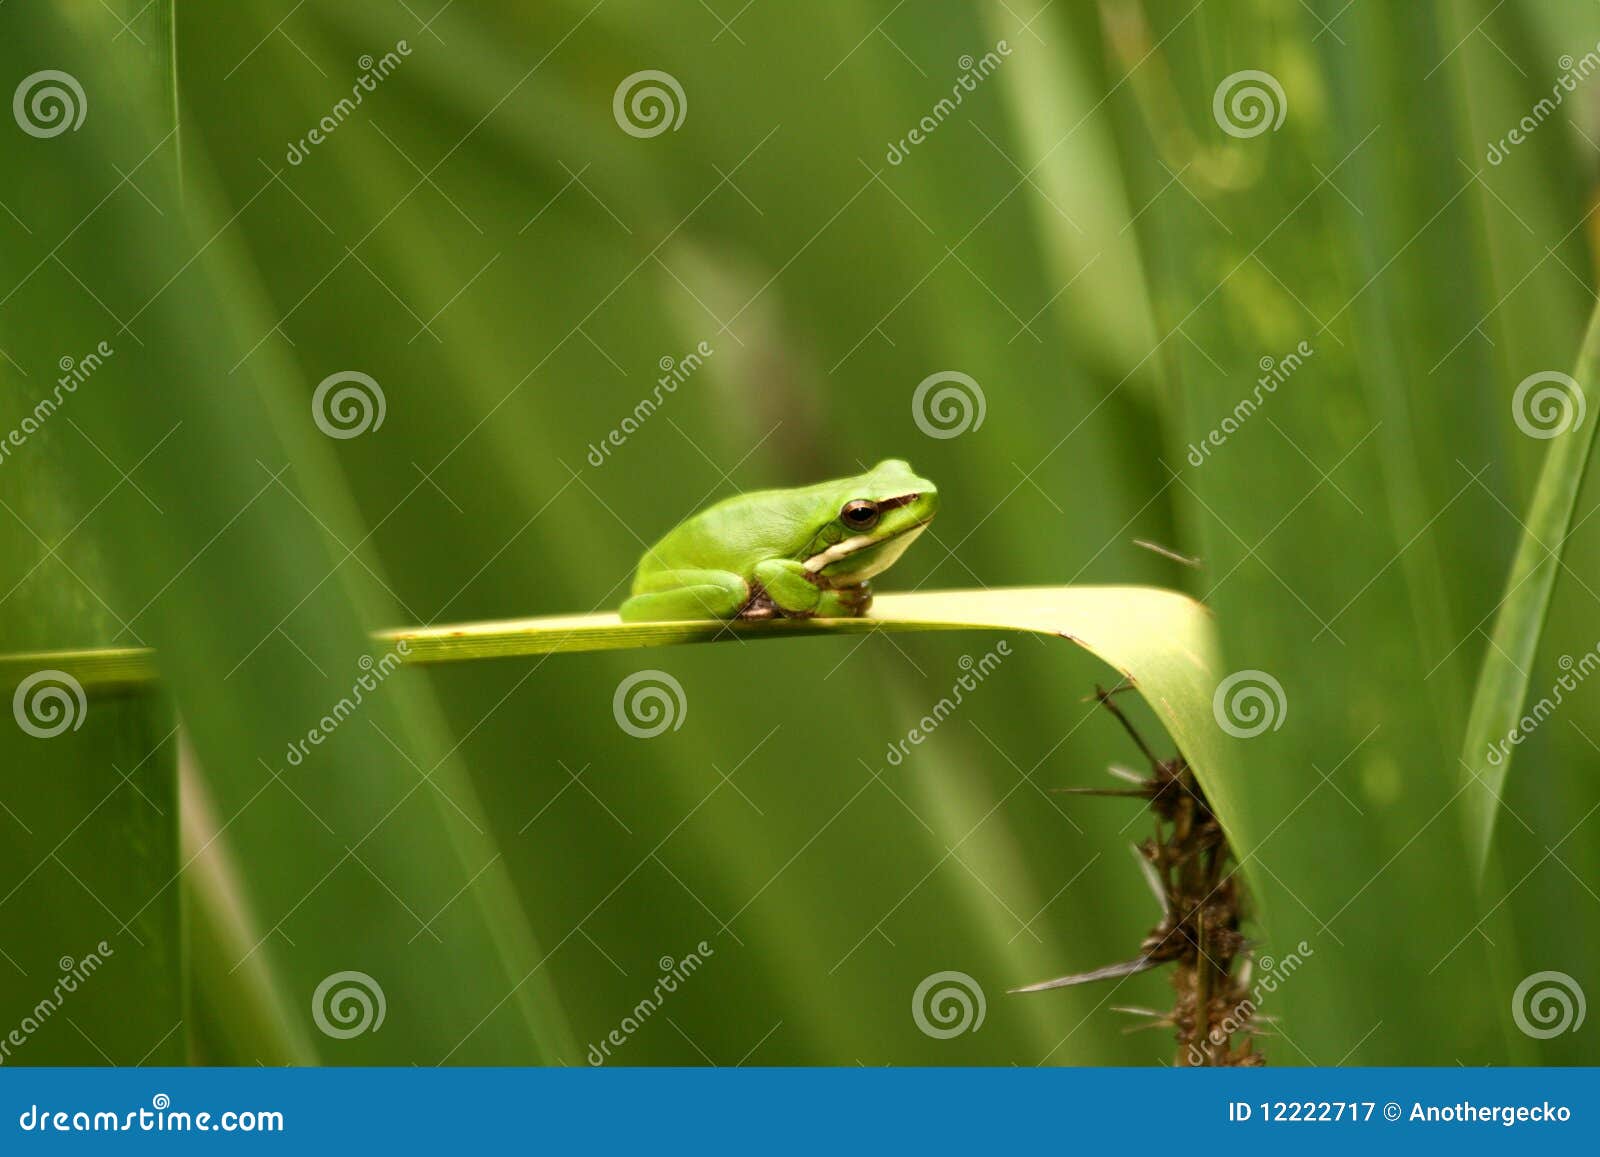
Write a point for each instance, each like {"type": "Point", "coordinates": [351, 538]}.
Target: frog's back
{"type": "Point", "coordinates": [735, 534]}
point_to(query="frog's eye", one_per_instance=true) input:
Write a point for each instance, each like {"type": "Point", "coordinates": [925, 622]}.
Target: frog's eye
{"type": "Point", "coordinates": [860, 514]}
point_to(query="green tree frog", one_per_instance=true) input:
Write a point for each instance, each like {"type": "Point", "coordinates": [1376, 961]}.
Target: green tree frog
{"type": "Point", "coordinates": [785, 553]}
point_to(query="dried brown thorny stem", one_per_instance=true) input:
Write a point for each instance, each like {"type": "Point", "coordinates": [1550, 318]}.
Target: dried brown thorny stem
{"type": "Point", "coordinates": [1190, 867]}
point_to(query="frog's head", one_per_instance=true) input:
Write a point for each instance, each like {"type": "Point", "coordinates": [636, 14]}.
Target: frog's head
{"type": "Point", "coordinates": [869, 521]}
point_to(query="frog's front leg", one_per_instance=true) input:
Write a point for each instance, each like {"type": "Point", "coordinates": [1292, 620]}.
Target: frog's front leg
{"type": "Point", "coordinates": [675, 595]}
{"type": "Point", "coordinates": [788, 587]}
{"type": "Point", "coordinates": [794, 593]}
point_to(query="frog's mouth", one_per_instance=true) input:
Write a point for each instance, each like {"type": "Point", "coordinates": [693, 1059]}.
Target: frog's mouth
{"type": "Point", "coordinates": [876, 554]}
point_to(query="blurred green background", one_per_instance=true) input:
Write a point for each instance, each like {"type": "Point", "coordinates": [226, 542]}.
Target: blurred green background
{"type": "Point", "coordinates": [482, 237]}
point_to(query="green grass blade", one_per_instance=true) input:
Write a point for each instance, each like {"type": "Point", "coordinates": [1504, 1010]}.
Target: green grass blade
{"type": "Point", "coordinates": [1162, 641]}
{"type": "Point", "coordinates": [189, 294]}
{"type": "Point", "coordinates": [93, 957]}
{"type": "Point", "coordinates": [1503, 681]}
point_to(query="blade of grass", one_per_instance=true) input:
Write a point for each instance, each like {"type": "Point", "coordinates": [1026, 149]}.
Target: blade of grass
{"type": "Point", "coordinates": [1503, 680]}
{"type": "Point", "coordinates": [92, 950]}
{"type": "Point", "coordinates": [1161, 641]}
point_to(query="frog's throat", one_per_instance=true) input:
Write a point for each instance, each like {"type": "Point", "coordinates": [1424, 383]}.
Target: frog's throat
{"type": "Point", "coordinates": [850, 546]}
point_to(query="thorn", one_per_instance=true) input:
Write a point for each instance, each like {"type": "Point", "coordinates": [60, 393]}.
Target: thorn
{"type": "Point", "coordinates": [1153, 878]}
{"type": "Point", "coordinates": [1127, 774]}
{"type": "Point", "coordinates": [1109, 972]}
{"type": "Point", "coordinates": [1101, 694]}
{"type": "Point", "coordinates": [1165, 552]}
{"type": "Point", "coordinates": [1106, 701]}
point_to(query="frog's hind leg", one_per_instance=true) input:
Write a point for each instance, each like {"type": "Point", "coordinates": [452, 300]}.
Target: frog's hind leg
{"type": "Point", "coordinates": [686, 594]}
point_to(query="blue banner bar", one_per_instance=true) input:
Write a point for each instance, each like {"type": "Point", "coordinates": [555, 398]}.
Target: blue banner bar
{"type": "Point", "coordinates": [801, 1110]}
